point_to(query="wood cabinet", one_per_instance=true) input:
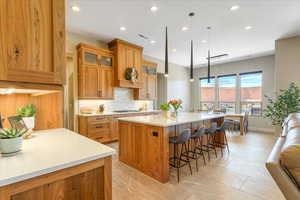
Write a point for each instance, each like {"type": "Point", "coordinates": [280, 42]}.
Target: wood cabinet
{"type": "Point", "coordinates": [32, 39]}
{"type": "Point", "coordinates": [127, 56]}
{"type": "Point", "coordinates": [105, 128]}
{"type": "Point", "coordinates": [96, 72]}
{"type": "Point", "coordinates": [148, 91]}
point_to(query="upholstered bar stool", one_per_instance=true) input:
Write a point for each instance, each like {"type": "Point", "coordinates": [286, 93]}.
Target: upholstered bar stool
{"type": "Point", "coordinates": [210, 140]}
{"type": "Point", "coordinates": [225, 126]}
{"type": "Point", "coordinates": [181, 160]}
{"type": "Point", "coordinates": [196, 146]}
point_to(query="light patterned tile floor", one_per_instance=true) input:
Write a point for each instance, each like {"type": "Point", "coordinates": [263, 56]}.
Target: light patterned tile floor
{"type": "Point", "coordinates": [240, 175]}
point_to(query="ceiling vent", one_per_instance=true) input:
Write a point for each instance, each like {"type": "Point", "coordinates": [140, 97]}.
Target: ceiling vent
{"type": "Point", "coordinates": [143, 37]}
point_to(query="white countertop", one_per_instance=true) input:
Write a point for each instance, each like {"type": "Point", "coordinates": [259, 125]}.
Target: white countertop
{"type": "Point", "coordinates": [49, 151]}
{"type": "Point", "coordinates": [116, 113]}
{"type": "Point", "coordinates": [182, 118]}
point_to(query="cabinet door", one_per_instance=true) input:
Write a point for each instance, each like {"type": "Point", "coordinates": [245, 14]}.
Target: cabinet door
{"type": "Point", "coordinates": [91, 82]}
{"type": "Point", "coordinates": [90, 57]}
{"type": "Point", "coordinates": [151, 80]}
{"type": "Point", "coordinates": [106, 83]}
{"type": "Point", "coordinates": [114, 134]}
{"type": "Point", "coordinates": [32, 41]}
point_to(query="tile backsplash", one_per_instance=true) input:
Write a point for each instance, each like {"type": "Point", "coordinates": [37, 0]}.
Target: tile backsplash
{"type": "Point", "coordinates": [123, 101]}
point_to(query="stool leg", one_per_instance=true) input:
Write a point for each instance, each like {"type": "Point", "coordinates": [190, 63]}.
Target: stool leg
{"type": "Point", "coordinates": [214, 144]}
{"type": "Point", "coordinates": [178, 165]}
{"type": "Point", "coordinates": [221, 147]}
{"type": "Point", "coordinates": [207, 146]}
{"type": "Point", "coordinates": [188, 159]}
{"type": "Point", "coordinates": [226, 142]}
{"type": "Point", "coordinates": [201, 151]}
{"type": "Point", "coordinates": [195, 153]}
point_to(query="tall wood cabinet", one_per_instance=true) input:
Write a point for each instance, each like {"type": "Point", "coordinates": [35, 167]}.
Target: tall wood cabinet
{"type": "Point", "coordinates": [96, 72]}
{"type": "Point", "coordinates": [127, 56]}
{"type": "Point", "coordinates": [148, 91]}
{"type": "Point", "coordinates": [32, 41]}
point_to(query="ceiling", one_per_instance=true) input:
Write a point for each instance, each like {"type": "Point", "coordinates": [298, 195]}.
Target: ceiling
{"type": "Point", "coordinates": [270, 19]}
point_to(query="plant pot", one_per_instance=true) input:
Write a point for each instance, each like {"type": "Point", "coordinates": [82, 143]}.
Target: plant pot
{"type": "Point", "coordinates": [29, 122]}
{"type": "Point", "coordinates": [10, 147]}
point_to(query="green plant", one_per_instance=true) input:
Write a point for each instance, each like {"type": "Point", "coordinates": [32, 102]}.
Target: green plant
{"type": "Point", "coordinates": [9, 133]}
{"type": "Point", "coordinates": [288, 101]}
{"type": "Point", "coordinates": [165, 107]}
{"type": "Point", "coordinates": [27, 111]}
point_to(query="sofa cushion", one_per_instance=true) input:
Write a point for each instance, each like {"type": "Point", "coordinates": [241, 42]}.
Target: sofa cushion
{"type": "Point", "coordinates": [290, 154]}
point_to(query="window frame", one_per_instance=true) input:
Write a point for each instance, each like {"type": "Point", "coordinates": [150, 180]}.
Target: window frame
{"type": "Point", "coordinates": [240, 87]}
{"type": "Point", "coordinates": [238, 95]}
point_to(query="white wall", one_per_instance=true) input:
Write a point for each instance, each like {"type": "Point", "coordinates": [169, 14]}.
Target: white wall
{"type": "Point", "coordinates": [265, 64]}
{"type": "Point", "coordinates": [177, 84]}
{"type": "Point", "coordinates": [287, 58]}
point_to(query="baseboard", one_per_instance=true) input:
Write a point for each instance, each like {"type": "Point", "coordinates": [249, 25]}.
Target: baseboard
{"type": "Point", "coordinates": [263, 130]}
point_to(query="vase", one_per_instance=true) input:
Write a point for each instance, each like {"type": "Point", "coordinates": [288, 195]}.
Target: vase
{"type": "Point", "coordinates": [174, 114]}
{"type": "Point", "coordinates": [11, 146]}
{"type": "Point", "coordinates": [166, 114]}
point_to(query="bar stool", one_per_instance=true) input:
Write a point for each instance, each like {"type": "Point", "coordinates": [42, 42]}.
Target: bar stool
{"type": "Point", "coordinates": [210, 142]}
{"type": "Point", "coordinates": [197, 146]}
{"type": "Point", "coordinates": [182, 140]}
{"type": "Point", "coordinates": [225, 126]}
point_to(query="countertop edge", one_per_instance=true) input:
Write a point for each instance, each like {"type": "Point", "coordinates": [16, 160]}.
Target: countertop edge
{"type": "Point", "coordinates": [53, 169]}
{"type": "Point", "coordinates": [115, 113]}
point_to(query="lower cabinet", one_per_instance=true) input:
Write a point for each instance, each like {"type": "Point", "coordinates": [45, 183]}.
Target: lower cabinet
{"type": "Point", "coordinates": [104, 129]}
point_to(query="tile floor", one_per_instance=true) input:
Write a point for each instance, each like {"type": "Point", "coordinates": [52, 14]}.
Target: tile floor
{"type": "Point", "coordinates": [241, 175]}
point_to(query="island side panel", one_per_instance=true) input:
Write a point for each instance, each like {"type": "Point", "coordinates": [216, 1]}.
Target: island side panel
{"type": "Point", "coordinates": [88, 181]}
{"type": "Point", "coordinates": [146, 148]}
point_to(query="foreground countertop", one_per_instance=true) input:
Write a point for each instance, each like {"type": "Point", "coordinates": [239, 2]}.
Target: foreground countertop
{"type": "Point", "coordinates": [182, 118]}
{"type": "Point", "coordinates": [118, 113]}
{"type": "Point", "coordinates": [49, 151]}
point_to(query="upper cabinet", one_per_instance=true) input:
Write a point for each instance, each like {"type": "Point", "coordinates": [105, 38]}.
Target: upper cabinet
{"type": "Point", "coordinates": [96, 72]}
{"type": "Point", "coordinates": [148, 91]}
{"type": "Point", "coordinates": [32, 41]}
{"type": "Point", "coordinates": [128, 64]}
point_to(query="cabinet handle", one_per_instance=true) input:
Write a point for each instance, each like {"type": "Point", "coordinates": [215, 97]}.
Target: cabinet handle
{"type": "Point", "coordinates": [99, 118]}
{"type": "Point", "coordinates": [155, 134]}
{"type": "Point", "coordinates": [99, 126]}
{"type": "Point", "coordinates": [100, 93]}
{"type": "Point", "coordinates": [17, 52]}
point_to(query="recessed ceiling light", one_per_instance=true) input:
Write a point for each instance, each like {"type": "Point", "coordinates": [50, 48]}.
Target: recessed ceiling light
{"type": "Point", "coordinates": [248, 27]}
{"type": "Point", "coordinates": [184, 28]}
{"type": "Point", "coordinates": [75, 8]}
{"type": "Point", "coordinates": [174, 50]}
{"type": "Point", "coordinates": [154, 8]}
{"type": "Point", "coordinates": [203, 41]}
{"type": "Point", "coordinates": [235, 7]}
{"type": "Point", "coordinates": [152, 42]}
{"type": "Point", "coordinates": [122, 28]}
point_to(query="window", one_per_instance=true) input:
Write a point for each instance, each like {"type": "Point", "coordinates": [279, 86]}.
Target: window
{"type": "Point", "coordinates": [227, 93]}
{"type": "Point", "coordinates": [207, 93]}
{"type": "Point", "coordinates": [251, 92]}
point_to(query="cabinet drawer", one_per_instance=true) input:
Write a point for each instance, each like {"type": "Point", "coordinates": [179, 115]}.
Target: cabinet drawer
{"type": "Point", "coordinates": [98, 127]}
{"type": "Point", "coordinates": [99, 134]}
{"type": "Point", "coordinates": [97, 119]}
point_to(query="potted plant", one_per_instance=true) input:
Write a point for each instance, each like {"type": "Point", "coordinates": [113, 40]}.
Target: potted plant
{"type": "Point", "coordinates": [176, 105]}
{"type": "Point", "coordinates": [165, 108]}
{"type": "Point", "coordinates": [11, 141]}
{"type": "Point", "coordinates": [287, 101]}
{"type": "Point", "coordinates": [27, 113]}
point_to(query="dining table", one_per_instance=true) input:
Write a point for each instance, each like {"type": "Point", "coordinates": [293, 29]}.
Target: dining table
{"type": "Point", "coordinates": [240, 117]}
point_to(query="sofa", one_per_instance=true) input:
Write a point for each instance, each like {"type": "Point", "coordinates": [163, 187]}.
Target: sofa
{"type": "Point", "coordinates": [284, 161]}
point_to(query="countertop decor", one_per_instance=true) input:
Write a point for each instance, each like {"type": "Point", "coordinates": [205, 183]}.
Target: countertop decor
{"type": "Point", "coordinates": [11, 141]}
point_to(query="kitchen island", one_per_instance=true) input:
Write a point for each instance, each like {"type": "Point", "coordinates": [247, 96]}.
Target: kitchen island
{"type": "Point", "coordinates": [57, 164]}
{"type": "Point", "coordinates": [144, 140]}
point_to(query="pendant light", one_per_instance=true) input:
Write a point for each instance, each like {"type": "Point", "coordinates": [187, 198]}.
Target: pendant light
{"type": "Point", "coordinates": [166, 55]}
{"type": "Point", "coordinates": [208, 56]}
{"type": "Point", "coordinates": [192, 63]}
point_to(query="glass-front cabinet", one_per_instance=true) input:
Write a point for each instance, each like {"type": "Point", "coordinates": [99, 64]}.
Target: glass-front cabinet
{"type": "Point", "coordinates": [96, 72]}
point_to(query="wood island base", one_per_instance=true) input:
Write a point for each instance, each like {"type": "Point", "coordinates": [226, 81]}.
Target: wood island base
{"type": "Point", "coordinates": [87, 181]}
{"type": "Point", "coordinates": [146, 147]}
